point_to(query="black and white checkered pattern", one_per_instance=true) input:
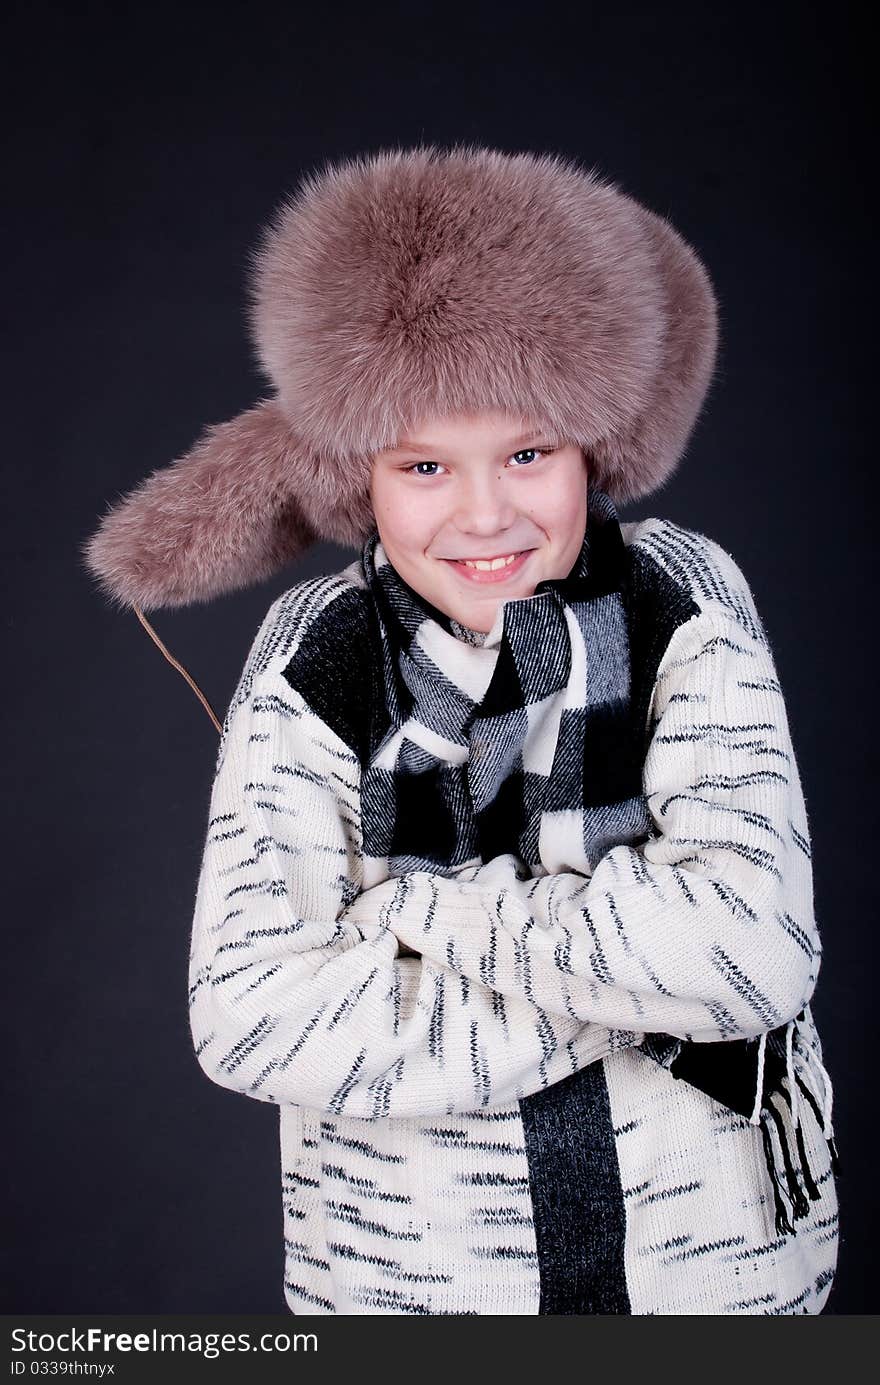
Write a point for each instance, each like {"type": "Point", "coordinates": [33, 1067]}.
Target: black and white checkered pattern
{"type": "Point", "coordinates": [517, 744]}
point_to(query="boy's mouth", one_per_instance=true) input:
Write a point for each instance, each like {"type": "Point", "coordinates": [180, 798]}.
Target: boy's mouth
{"type": "Point", "coordinates": [498, 569]}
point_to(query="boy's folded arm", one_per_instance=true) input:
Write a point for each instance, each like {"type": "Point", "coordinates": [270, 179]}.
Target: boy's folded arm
{"type": "Point", "coordinates": [706, 930]}
{"type": "Point", "coordinates": [292, 1002]}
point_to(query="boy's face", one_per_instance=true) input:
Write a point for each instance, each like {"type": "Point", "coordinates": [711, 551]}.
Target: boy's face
{"type": "Point", "coordinates": [478, 487]}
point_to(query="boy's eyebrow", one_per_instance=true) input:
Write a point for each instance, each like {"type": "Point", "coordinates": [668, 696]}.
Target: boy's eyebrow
{"type": "Point", "coordinates": [405, 445]}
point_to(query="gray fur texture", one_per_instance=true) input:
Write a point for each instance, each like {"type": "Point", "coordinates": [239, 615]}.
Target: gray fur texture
{"type": "Point", "coordinates": [415, 283]}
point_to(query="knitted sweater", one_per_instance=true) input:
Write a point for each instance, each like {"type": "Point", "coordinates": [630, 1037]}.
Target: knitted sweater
{"type": "Point", "coordinates": [474, 1129]}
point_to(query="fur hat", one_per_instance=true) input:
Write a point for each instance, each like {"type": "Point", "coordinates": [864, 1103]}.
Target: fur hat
{"type": "Point", "coordinates": [412, 284]}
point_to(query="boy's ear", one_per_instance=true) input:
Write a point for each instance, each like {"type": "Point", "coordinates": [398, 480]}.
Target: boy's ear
{"type": "Point", "coordinates": [221, 517]}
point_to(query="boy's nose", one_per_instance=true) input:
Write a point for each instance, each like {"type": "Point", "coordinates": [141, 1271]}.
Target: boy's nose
{"type": "Point", "coordinates": [485, 507]}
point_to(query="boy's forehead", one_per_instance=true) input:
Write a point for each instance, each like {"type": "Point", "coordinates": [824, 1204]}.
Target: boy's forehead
{"type": "Point", "coordinates": [486, 428]}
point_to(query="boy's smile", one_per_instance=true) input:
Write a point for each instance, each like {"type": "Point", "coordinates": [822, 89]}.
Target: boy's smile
{"type": "Point", "coordinates": [472, 511]}
{"type": "Point", "coordinates": [489, 570]}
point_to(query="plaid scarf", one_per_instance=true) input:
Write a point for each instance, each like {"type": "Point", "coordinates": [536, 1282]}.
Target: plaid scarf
{"type": "Point", "coordinates": [516, 744]}
{"type": "Point", "coordinates": [522, 741]}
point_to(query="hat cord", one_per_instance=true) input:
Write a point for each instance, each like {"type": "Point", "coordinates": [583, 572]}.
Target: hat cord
{"type": "Point", "coordinates": [180, 669]}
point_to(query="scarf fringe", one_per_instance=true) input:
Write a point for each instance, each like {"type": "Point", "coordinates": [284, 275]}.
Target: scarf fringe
{"type": "Point", "coordinates": [793, 1194]}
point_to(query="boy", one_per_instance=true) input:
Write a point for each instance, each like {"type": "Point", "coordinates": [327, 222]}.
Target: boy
{"type": "Point", "coordinates": [506, 897]}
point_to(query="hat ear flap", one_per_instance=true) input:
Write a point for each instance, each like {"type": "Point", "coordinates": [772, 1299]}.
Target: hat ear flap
{"type": "Point", "coordinates": [222, 517]}
{"type": "Point", "coordinates": [641, 457]}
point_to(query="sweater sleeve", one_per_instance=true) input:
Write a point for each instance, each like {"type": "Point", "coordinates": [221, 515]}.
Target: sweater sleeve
{"type": "Point", "coordinates": [290, 1001]}
{"type": "Point", "coordinates": [706, 930]}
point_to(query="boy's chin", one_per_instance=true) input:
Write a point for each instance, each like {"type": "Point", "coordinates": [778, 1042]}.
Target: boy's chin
{"type": "Point", "coordinates": [476, 612]}
{"type": "Point", "coordinates": [479, 616]}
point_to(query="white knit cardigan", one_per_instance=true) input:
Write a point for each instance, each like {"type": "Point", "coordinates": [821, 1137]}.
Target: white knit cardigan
{"type": "Point", "coordinates": [300, 996]}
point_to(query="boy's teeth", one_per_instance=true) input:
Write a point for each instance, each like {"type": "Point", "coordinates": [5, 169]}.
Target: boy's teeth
{"type": "Point", "coordinates": [485, 565]}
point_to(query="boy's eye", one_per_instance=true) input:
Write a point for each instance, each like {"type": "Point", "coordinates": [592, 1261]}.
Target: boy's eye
{"type": "Point", "coordinates": [527, 453]}
{"type": "Point", "coordinates": [532, 452]}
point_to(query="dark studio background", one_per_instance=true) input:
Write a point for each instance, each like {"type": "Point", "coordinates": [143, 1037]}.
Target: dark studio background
{"type": "Point", "coordinates": [145, 150]}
